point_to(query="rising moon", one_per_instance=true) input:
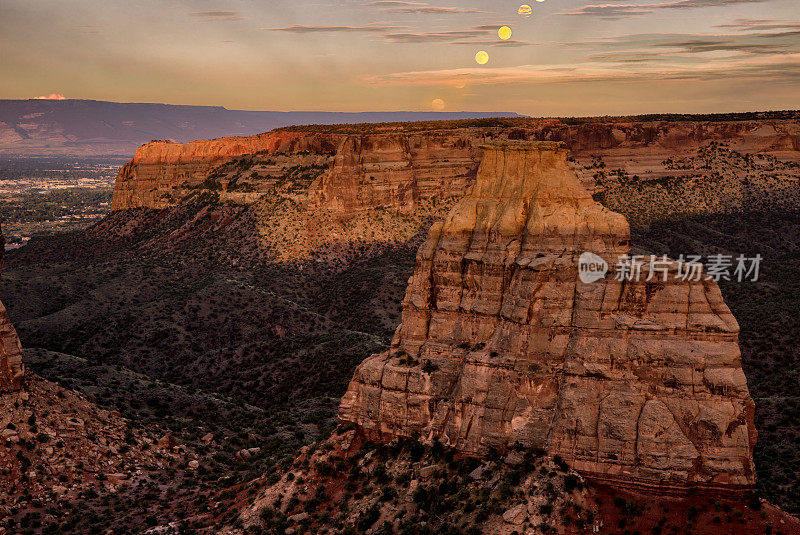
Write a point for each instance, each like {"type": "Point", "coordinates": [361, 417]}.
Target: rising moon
{"type": "Point", "coordinates": [482, 57]}
{"type": "Point", "coordinates": [525, 10]}
{"type": "Point", "coordinates": [437, 104]}
{"type": "Point", "coordinates": [504, 33]}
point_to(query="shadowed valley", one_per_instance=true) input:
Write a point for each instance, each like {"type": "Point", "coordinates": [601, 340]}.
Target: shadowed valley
{"type": "Point", "coordinates": [228, 299]}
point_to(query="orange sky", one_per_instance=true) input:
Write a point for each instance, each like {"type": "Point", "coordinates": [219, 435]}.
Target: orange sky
{"type": "Point", "coordinates": [571, 57]}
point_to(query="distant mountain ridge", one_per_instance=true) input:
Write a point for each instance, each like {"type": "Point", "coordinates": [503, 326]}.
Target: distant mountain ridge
{"type": "Point", "coordinates": [94, 128]}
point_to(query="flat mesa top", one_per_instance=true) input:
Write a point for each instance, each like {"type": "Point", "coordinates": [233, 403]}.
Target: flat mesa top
{"type": "Point", "coordinates": [524, 145]}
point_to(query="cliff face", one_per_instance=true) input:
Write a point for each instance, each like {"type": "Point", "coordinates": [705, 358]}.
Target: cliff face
{"type": "Point", "coordinates": [393, 169]}
{"type": "Point", "coordinates": [362, 172]}
{"type": "Point", "coordinates": [765, 135]}
{"type": "Point", "coordinates": [11, 367]}
{"type": "Point", "coordinates": [396, 170]}
{"type": "Point", "coordinates": [161, 172]}
{"type": "Point", "coordinates": [501, 342]}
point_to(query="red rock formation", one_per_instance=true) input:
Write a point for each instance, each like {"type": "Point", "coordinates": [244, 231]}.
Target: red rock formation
{"type": "Point", "coordinates": [161, 169]}
{"type": "Point", "coordinates": [501, 342]}
{"type": "Point", "coordinates": [368, 171]}
{"type": "Point", "coordinates": [11, 368]}
{"type": "Point", "coordinates": [766, 135]}
{"type": "Point", "coordinates": [80, 446]}
{"type": "Point", "coordinates": [393, 169]}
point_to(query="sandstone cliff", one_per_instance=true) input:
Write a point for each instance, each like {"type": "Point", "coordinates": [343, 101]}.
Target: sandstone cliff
{"type": "Point", "coordinates": [162, 172]}
{"type": "Point", "coordinates": [361, 171]}
{"type": "Point", "coordinates": [501, 343]}
{"type": "Point", "coordinates": [11, 368]}
{"type": "Point", "coordinates": [358, 168]}
{"type": "Point", "coordinates": [396, 170]}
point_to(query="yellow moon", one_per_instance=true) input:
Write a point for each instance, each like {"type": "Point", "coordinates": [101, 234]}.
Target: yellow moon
{"type": "Point", "coordinates": [525, 10]}
{"type": "Point", "coordinates": [437, 104]}
{"type": "Point", "coordinates": [504, 33]}
{"type": "Point", "coordinates": [482, 57]}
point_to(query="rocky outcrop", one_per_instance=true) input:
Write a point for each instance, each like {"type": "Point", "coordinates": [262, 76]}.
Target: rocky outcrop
{"type": "Point", "coordinates": [11, 368]}
{"type": "Point", "coordinates": [751, 135]}
{"type": "Point", "coordinates": [636, 381]}
{"type": "Point", "coordinates": [408, 485]}
{"type": "Point", "coordinates": [80, 447]}
{"type": "Point", "coordinates": [363, 171]}
{"type": "Point", "coordinates": [162, 171]}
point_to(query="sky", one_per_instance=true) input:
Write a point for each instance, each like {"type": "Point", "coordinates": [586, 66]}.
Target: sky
{"type": "Point", "coordinates": [569, 58]}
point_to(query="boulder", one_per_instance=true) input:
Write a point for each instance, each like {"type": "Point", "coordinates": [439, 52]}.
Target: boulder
{"type": "Point", "coordinates": [167, 442]}
{"type": "Point", "coordinates": [299, 517]}
{"type": "Point", "coordinates": [427, 471]}
{"type": "Point", "coordinates": [516, 515]}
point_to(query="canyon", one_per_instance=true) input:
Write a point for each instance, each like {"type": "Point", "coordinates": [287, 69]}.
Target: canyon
{"type": "Point", "coordinates": [238, 283]}
{"type": "Point", "coordinates": [56, 444]}
{"type": "Point", "coordinates": [507, 367]}
{"type": "Point", "coordinates": [317, 190]}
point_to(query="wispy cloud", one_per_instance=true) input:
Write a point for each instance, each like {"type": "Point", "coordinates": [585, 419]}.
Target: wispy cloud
{"type": "Point", "coordinates": [484, 35]}
{"type": "Point", "coordinates": [610, 11]}
{"type": "Point", "coordinates": [89, 28]}
{"type": "Point", "coordinates": [628, 57]}
{"type": "Point", "coordinates": [687, 4]}
{"type": "Point", "coordinates": [216, 15]}
{"type": "Point", "coordinates": [759, 43]}
{"type": "Point", "coordinates": [617, 11]}
{"type": "Point", "coordinates": [419, 7]}
{"type": "Point", "coordinates": [761, 24]}
{"type": "Point", "coordinates": [479, 35]}
{"type": "Point", "coordinates": [336, 29]}
{"type": "Point", "coordinates": [767, 69]}
{"type": "Point", "coordinates": [509, 43]}
{"type": "Point", "coordinates": [700, 46]}
{"type": "Point", "coordinates": [433, 37]}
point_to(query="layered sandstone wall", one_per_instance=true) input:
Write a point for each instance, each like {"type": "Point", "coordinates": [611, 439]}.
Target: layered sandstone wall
{"type": "Point", "coordinates": [161, 169]}
{"type": "Point", "coordinates": [396, 170]}
{"type": "Point", "coordinates": [365, 171]}
{"type": "Point", "coordinates": [763, 135]}
{"type": "Point", "coordinates": [393, 169]}
{"type": "Point", "coordinates": [11, 368]}
{"type": "Point", "coordinates": [502, 343]}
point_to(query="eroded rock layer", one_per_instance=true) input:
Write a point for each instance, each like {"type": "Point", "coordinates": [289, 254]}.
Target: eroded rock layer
{"type": "Point", "coordinates": [162, 171]}
{"type": "Point", "coordinates": [351, 172]}
{"type": "Point", "coordinates": [501, 342]}
{"type": "Point", "coordinates": [11, 367]}
{"type": "Point", "coordinates": [396, 170]}
{"type": "Point", "coordinates": [381, 166]}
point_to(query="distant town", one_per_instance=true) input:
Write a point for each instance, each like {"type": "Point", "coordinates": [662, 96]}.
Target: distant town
{"type": "Point", "coordinates": [51, 195]}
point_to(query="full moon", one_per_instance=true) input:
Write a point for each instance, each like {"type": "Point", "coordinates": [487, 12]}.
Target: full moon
{"type": "Point", "coordinates": [525, 10]}
{"type": "Point", "coordinates": [504, 33]}
{"type": "Point", "coordinates": [482, 57]}
{"type": "Point", "coordinates": [437, 104]}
